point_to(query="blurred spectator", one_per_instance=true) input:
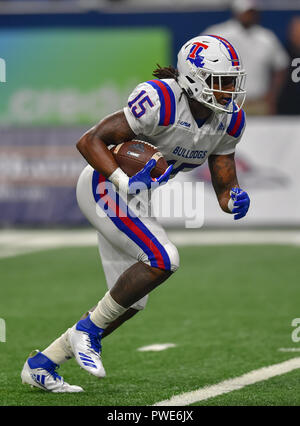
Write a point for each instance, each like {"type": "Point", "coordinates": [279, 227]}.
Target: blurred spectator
{"type": "Point", "coordinates": [289, 98]}
{"type": "Point", "coordinates": [263, 56]}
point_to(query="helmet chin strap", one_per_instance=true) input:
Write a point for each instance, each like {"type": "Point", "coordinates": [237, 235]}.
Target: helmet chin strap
{"type": "Point", "coordinates": [212, 103]}
{"type": "Point", "coordinates": [219, 108]}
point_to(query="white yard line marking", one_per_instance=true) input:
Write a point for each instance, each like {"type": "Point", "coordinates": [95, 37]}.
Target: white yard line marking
{"type": "Point", "coordinates": [156, 347]}
{"type": "Point", "coordinates": [230, 385]}
{"type": "Point", "coordinates": [18, 242]}
{"type": "Point", "coordinates": [289, 349]}
{"type": "Point", "coordinates": [14, 243]}
{"type": "Point", "coordinates": [234, 237]}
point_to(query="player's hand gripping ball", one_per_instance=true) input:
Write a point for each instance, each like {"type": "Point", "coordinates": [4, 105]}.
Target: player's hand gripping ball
{"type": "Point", "coordinates": [144, 178]}
{"type": "Point", "coordinates": [239, 203]}
{"type": "Point", "coordinates": [143, 163]}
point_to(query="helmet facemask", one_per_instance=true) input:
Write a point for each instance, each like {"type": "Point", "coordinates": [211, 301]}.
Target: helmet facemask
{"type": "Point", "coordinates": [215, 84]}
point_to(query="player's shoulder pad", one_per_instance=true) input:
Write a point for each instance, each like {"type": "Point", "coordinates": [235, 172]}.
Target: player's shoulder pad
{"type": "Point", "coordinates": [237, 123]}
{"type": "Point", "coordinates": [167, 98]}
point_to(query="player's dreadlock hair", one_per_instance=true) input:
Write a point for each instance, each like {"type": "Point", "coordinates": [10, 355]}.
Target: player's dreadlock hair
{"type": "Point", "coordinates": [166, 72]}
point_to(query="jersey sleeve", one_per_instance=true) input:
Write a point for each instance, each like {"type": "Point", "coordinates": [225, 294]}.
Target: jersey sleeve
{"type": "Point", "coordinates": [233, 134]}
{"type": "Point", "coordinates": [150, 108]}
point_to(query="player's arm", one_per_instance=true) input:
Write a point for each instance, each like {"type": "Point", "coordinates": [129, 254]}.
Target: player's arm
{"type": "Point", "coordinates": [225, 183]}
{"type": "Point", "coordinates": [223, 177]}
{"type": "Point", "coordinates": [112, 130]}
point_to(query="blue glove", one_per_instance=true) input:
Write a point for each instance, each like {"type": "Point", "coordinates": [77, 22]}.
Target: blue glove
{"type": "Point", "coordinates": [143, 179]}
{"type": "Point", "coordinates": [241, 202]}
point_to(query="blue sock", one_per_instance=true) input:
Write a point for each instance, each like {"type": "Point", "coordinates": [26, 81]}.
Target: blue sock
{"type": "Point", "coordinates": [88, 325]}
{"type": "Point", "coordinates": [41, 361]}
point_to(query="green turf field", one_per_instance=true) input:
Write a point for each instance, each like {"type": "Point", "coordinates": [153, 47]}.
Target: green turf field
{"type": "Point", "coordinates": [228, 309]}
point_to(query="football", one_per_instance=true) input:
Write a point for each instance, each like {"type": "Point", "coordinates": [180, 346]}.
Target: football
{"type": "Point", "coordinates": [133, 155]}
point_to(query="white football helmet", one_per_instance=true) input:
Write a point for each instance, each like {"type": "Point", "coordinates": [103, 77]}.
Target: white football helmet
{"type": "Point", "coordinates": [204, 64]}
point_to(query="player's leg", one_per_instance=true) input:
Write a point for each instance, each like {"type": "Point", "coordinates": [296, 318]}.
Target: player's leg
{"type": "Point", "coordinates": [155, 259]}
{"type": "Point", "coordinates": [114, 263]}
{"type": "Point", "coordinates": [116, 323]}
{"type": "Point", "coordinates": [85, 336]}
{"type": "Point", "coordinates": [140, 273]}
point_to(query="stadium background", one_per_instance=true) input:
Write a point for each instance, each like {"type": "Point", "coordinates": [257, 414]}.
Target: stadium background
{"type": "Point", "coordinates": [68, 64]}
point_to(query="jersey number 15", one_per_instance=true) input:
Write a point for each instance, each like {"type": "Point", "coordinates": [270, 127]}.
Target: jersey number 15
{"type": "Point", "coordinates": [137, 105]}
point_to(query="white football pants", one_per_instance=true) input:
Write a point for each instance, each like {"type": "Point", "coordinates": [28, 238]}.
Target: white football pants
{"type": "Point", "coordinates": [123, 237]}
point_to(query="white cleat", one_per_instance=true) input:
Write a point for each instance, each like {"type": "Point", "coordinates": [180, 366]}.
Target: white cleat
{"type": "Point", "coordinates": [39, 371]}
{"type": "Point", "coordinates": [85, 341]}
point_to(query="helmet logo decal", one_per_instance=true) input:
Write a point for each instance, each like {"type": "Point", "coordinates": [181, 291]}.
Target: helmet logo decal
{"type": "Point", "coordinates": [194, 56]}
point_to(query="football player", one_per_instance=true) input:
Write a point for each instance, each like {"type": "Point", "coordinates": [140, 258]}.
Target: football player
{"type": "Point", "coordinates": [195, 109]}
